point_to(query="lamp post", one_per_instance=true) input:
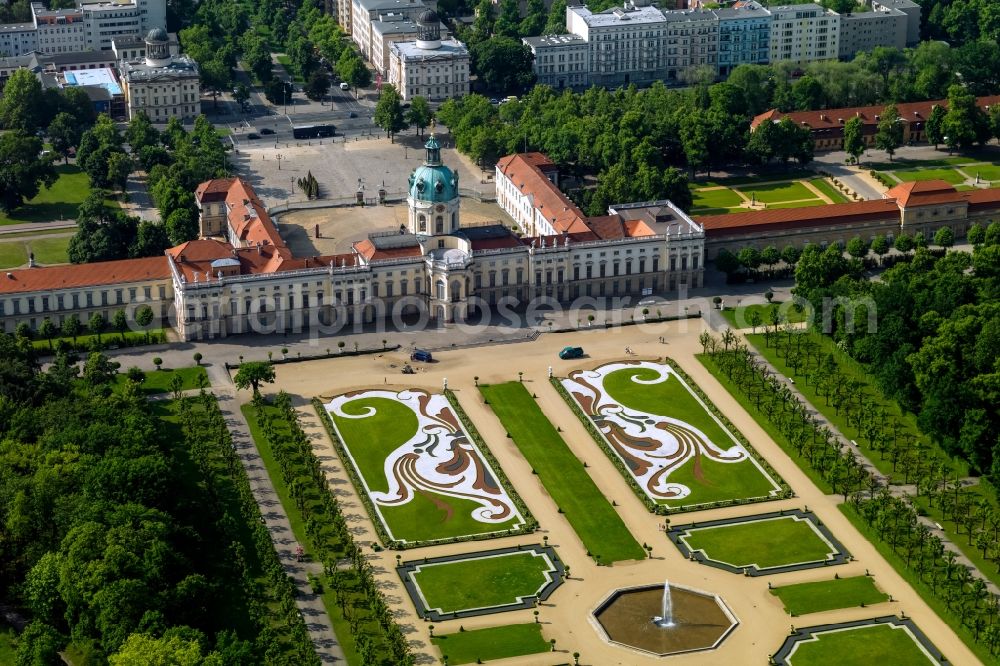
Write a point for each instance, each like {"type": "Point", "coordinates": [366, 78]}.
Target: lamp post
{"type": "Point", "coordinates": [279, 157]}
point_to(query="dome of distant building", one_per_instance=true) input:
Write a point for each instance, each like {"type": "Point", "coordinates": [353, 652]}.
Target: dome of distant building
{"type": "Point", "coordinates": [157, 35]}
{"type": "Point", "coordinates": [433, 181]}
{"type": "Point", "coordinates": [428, 17]}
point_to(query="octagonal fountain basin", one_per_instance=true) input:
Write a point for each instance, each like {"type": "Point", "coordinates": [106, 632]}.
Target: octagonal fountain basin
{"type": "Point", "coordinates": [664, 619]}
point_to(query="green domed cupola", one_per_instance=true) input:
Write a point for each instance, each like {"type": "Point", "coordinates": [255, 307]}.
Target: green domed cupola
{"type": "Point", "coordinates": [433, 181]}
{"type": "Point", "coordinates": [433, 194]}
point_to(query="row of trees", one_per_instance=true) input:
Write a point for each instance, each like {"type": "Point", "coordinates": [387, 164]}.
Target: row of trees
{"type": "Point", "coordinates": [374, 632]}
{"type": "Point", "coordinates": [392, 117]}
{"type": "Point", "coordinates": [891, 519]}
{"type": "Point", "coordinates": [934, 346]}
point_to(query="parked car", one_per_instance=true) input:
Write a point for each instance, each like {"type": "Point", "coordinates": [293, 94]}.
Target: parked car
{"type": "Point", "coordinates": [569, 353]}
{"type": "Point", "coordinates": [352, 114]}
{"type": "Point", "coordinates": [421, 355]}
{"type": "Point", "coordinates": [345, 86]}
{"type": "Point", "coordinates": [253, 135]}
{"type": "Point", "coordinates": [267, 130]}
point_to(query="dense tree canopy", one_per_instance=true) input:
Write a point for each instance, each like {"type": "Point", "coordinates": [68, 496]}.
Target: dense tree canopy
{"type": "Point", "coordinates": [23, 169]}
{"type": "Point", "coordinates": [935, 346]}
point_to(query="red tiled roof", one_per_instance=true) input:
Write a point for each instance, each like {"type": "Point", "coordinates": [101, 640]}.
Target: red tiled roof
{"type": "Point", "coordinates": [980, 200]}
{"type": "Point", "coordinates": [213, 190]}
{"type": "Point", "coordinates": [790, 218]}
{"type": "Point", "coordinates": [923, 193]}
{"type": "Point", "coordinates": [830, 118]}
{"type": "Point", "coordinates": [50, 278]}
{"type": "Point", "coordinates": [367, 249]}
{"type": "Point", "coordinates": [525, 171]}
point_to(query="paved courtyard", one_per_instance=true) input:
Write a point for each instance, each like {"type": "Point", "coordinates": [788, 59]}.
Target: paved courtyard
{"type": "Point", "coordinates": [338, 165]}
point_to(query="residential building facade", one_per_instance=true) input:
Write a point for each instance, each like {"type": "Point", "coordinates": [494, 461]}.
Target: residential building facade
{"type": "Point", "coordinates": [560, 61]}
{"type": "Point", "coordinates": [863, 31]}
{"type": "Point", "coordinates": [803, 33]}
{"type": "Point", "coordinates": [744, 36]}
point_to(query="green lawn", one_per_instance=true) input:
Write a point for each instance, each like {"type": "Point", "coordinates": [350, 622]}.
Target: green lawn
{"type": "Point", "coordinates": [765, 543]}
{"type": "Point", "coordinates": [590, 514]}
{"type": "Point", "coordinates": [286, 62]}
{"type": "Point", "coordinates": [58, 203]}
{"type": "Point", "coordinates": [482, 582]}
{"type": "Point", "coordinates": [798, 204]}
{"type": "Point", "coordinates": [469, 647]}
{"type": "Point", "coordinates": [717, 481]}
{"type": "Point", "coordinates": [824, 595]}
{"type": "Point", "coordinates": [852, 371]}
{"type": "Point", "coordinates": [879, 644]}
{"type": "Point", "coordinates": [765, 423]}
{"type": "Point", "coordinates": [725, 198]}
{"type": "Point", "coordinates": [986, 171]}
{"type": "Point", "coordinates": [824, 186]}
{"type": "Point", "coordinates": [13, 254]}
{"type": "Point", "coordinates": [158, 381]}
{"type": "Point", "coordinates": [427, 516]}
{"type": "Point", "coordinates": [8, 645]}
{"type": "Point", "coordinates": [948, 175]}
{"type": "Point", "coordinates": [50, 251]}
{"type": "Point", "coordinates": [737, 317]}
{"type": "Point", "coordinates": [772, 193]}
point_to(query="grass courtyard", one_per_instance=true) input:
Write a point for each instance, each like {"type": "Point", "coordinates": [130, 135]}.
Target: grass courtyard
{"type": "Point", "coordinates": [732, 195]}
{"type": "Point", "coordinates": [481, 645]}
{"type": "Point", "coordinates": [158, 381]}
{"type": "Point", "coordinates": [823, 595]}
{"type": "Point", "coordinates": [701, 465]}
{"type": "Point", "coordinates": [881, 644]}
{"type": "Point", "coordinates": [738, 317]}
{"type": "Point", "coordinates": [588, 511]}
{"type": "Point", "coordinates": [481, 582]}
{"type": "Point", "coordinates": [411, 505]}
{"type": "Point", "coordinates": [960, 171]}
{"type": "Point", "coordinates": [766, 544]}
{"type": "Point", "coordinates": [60, 202]}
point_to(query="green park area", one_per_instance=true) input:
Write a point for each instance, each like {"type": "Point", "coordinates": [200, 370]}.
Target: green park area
{"type": "Point", "coordinates": [481, 582]}
{"type": "Point", "coordinates": [374, 428]}
{"type": "Point", "coordinates": [48, 250]}
{"type": "Point", "coordinates": [959, 171]}
{"type": "Point", "coordinates": [8, 645]}
{"type": "Point", "coordinates": [765, 543]}
{"type": "Point", "coordinates": [588, 511]}
{"type": "Point", "coordinates": [732, 194]}
{"type": "Point", "coordinates": [742, 316]}
{"type": "Point", "coordinates": [482, 645]}
{"type": "Point", "coordinates": [60, 202]}
{"type": "Point", "coordinates": [882, 644]}
{"type": "Point", "coordinates": [706, 442]}
{"type": "Point", "coordinates": [824, 595]}
{"type": "Point", "coordinates": [162, 380]}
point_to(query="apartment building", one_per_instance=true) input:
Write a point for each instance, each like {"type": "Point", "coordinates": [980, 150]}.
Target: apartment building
{"type": "Point", "coordinates": [692, 41]}
{"type": "Point", "coordinates": [803, 33]}
{"type": "Point", "coordinates": [89, 26]}
{"type": "Point", "coordinates": [626, 44]}
{"type": "Point", "coordinates": [863, 31]}
{"type": "Point", "coordinates": [744, 36]}
{"type": "Point", "coordinates": [561, 61]}
{"type": "Point", "coordinates": [366, 12]}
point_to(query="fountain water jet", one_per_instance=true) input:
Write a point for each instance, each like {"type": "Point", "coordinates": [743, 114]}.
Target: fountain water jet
{"type": "Point", "coordinates": [665, 619]}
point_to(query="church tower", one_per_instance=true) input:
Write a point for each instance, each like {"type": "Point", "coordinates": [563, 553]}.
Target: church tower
{"type": "Point", "coordinates": [433, 195]}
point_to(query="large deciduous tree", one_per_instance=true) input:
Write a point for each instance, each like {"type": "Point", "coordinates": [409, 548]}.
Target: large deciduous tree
{"type": "Point", "coordinates": [889, 135]}
{"type": "Point", "coordinates": [252, 374]}
{"type": "Point", "coordinates": [23, 170]}
{"type": "Point", "coordinates": [389, 111]}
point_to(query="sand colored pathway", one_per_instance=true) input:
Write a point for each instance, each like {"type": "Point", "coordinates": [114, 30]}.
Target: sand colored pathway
{"type": "Point", "coordinates": [764, 624]}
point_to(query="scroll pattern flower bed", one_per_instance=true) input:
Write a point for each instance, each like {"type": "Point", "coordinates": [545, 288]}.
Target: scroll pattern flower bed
{"type": "Point", "coordinates": [425, 477]}
{"type": "Point", "coordinates": [679, 453]}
